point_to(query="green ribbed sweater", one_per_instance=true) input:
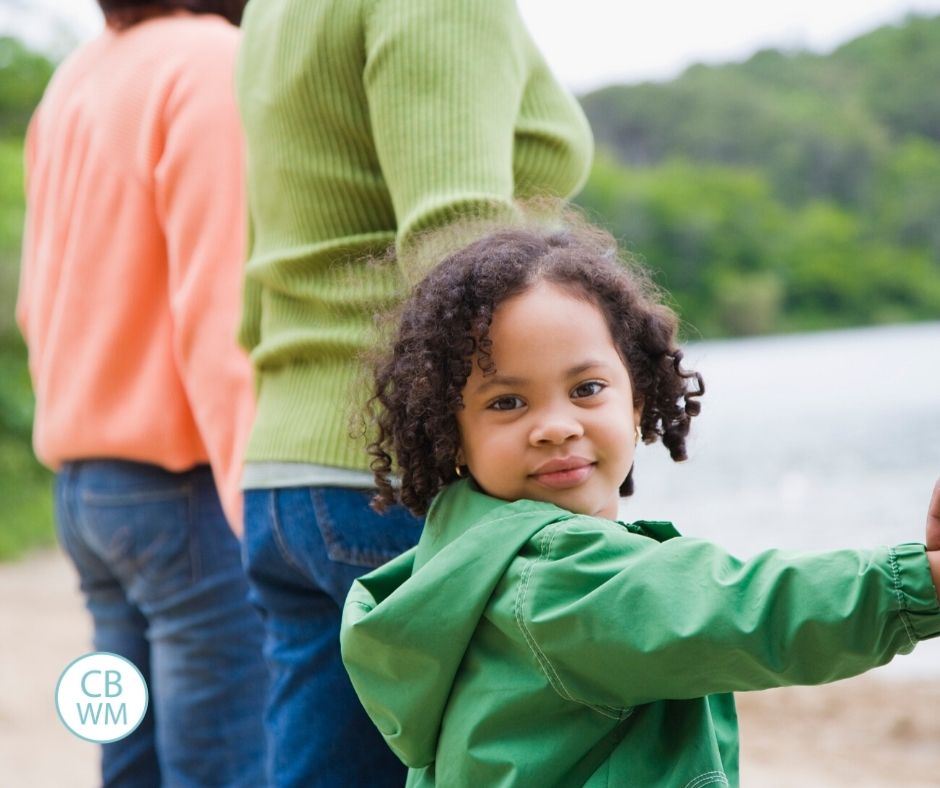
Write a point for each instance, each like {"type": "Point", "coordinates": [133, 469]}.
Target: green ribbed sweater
{"type": "Point", "coordinates": [368, 121]}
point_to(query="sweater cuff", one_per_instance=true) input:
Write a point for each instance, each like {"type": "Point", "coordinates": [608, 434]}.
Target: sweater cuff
{"type": "Point", "coordinates": [916, 593]}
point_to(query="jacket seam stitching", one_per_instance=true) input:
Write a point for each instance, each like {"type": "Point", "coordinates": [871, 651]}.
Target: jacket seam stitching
{"type": "Point", "coordinates": [550, 672]}
{"type": "Point", "coordinates": [708, 778]}
{"type": "Point", "coordinates": [896, 574]}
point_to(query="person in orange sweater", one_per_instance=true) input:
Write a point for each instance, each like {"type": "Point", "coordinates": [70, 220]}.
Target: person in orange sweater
{"type": "Point", "coordinates": [129, 299]}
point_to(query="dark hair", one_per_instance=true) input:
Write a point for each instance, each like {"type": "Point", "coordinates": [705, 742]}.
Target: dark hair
{"type": "Point", "coordinates": [126, 13]}
{"type": "Point", "coordinates": [444, 325]}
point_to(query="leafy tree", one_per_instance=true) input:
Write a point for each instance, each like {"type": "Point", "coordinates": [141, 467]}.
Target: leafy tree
{"type": "Point", "coordinates": [694, 226]}
{"type": "Point", "coordinates": [23, 75]}
{"type": "Point", "coordinates": [738, 261]}
{"type": "Point", "coordinates": [897, 70]}
{"type": "Point", "coordinates": [789, 191]}
{"type": "Point", "coordinates": [906, 198]}
{"type": "Point", "coordinates": [809, 143]}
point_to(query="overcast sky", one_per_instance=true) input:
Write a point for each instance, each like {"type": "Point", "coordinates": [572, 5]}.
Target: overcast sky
{"type": "Point", "coordinates": [590, 43]}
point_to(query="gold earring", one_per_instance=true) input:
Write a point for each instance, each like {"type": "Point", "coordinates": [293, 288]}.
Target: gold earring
{"type": "Point", "coordinates": [457, 471]}
{"type": "Point", "coordinates": [637, 434]}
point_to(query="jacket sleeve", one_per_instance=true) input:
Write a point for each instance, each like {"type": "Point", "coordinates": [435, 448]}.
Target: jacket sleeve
{"type": "Point", "coordinates": [617, 619]}
{"type": "Point", "coordinates": [200, 201]}
{"type": "Point", "coordinates": [444, 81]}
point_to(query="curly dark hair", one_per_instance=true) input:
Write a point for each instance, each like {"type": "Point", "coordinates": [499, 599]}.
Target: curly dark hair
{"type": "Point", "coordinates": [126, 13]}
{"type": "Point", "coordinates": [444, 325]}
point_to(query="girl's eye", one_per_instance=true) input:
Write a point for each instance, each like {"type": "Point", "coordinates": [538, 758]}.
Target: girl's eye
{"type": "Point", "coordinates": [506, 403]}
{"type": "Point", "coordinates": [588, 389]}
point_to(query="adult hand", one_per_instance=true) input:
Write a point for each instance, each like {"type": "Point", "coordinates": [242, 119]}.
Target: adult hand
{"type": "Point", "coordinates": [933, 536]}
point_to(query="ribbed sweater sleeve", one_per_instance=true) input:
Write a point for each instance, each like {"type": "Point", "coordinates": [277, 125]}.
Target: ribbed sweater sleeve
{"type": "Point", "coordinates": [446, 152]}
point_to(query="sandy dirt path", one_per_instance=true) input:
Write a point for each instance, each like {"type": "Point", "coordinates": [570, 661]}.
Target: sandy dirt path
{"type": "Point", "coordinates": [44, 626]}
{"type": "Point", "coordinates": [864, 733]}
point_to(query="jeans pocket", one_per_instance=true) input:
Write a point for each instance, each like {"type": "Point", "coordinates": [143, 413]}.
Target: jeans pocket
{"type": "Point", "coordinates": [144, 536]}
{"type": "Point", "coordinates": [355, 534]}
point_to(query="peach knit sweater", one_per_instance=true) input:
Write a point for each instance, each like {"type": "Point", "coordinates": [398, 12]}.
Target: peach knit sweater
{"type": "Point", "coordinates": [134, 241]}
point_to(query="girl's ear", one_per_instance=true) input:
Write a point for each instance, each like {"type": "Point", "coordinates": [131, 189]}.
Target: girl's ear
{"type": "Point", "coordinates": [460, 459]}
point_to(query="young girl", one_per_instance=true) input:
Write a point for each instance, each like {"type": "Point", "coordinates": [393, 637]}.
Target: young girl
{"type": "Point", "coordinates": [531, 639]}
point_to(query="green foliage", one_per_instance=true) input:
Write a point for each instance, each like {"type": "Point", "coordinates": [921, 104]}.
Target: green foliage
{"type": "Point", "coordinates": [838, 275]}
{"type": "Point", "coordinates": [25, 486]}
{"type": "Point", "coordinates": [807, 143]}
{"type": "Point", "coordinates": [739, 261]}
{"type": "Point", "coordinates": [11, 227]}
{"type": "Point", "coordinates": [791, 191]}
{"type": "Point", "coordinates": [748, 303]}
{"type": "Point", "coordinates": [897, 76]}
{"type": "Point", "coordinates": [906, 195]}
{"type": "Point", "coordinates": [23, 75]}
{"type": "Point", "coordinates": [699, 228]}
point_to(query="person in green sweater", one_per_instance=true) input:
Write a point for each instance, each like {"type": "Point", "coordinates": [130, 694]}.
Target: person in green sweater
{"type": "Point", "coordinates": [367, 123]}
{"type": "Point", "coordinates": [530, 639]}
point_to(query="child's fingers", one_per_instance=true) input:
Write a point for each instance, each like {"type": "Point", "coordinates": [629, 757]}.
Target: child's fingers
{"type": "Point", "coordinates": [933, 519]}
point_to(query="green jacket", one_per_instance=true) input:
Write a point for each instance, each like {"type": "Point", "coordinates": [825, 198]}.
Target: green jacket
{"type": "Point", "coordinates": [521, 644]}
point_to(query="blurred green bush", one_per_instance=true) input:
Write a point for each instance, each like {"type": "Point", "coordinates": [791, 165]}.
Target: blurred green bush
{"type": "Point", "coordinates": [25, 486]}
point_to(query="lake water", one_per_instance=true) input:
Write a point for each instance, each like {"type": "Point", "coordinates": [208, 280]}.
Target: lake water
{"type": "Point", "coordinates": [807, 442]}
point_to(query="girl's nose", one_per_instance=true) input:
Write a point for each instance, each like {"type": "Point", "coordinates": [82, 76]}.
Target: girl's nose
{"type": "Point", "coordinates": [555, 429]}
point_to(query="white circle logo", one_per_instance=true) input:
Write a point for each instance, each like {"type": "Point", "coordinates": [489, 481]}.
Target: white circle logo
{"type": "Point", "coordinates": [101, 697]}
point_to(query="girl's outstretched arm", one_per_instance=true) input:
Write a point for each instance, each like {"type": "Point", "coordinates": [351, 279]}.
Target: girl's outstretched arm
{"type": "Point", "coordinates": [616, 619]}
{"type": "Point", "coordinates": [933, 536]}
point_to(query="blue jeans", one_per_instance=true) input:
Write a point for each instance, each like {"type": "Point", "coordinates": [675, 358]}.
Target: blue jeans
{"type": "Point", "coordinates": [162, 577]}
{"type": "Point", "coordinates": [304, 547]}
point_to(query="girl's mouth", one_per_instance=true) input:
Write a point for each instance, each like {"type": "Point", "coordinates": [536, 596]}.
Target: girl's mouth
{"type": "Point", "coordinates": [564, 473]}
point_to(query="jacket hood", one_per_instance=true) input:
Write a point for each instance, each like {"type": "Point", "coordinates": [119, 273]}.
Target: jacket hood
{"type": "Point", "coordinates": [405, 631]}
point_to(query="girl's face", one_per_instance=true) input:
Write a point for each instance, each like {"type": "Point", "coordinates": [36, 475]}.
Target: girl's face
{"type": "Point", "coordinates": [555, 421]}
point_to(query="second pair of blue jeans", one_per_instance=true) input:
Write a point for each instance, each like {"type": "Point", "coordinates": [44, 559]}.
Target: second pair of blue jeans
{"type": "Point", "coordinates": [304, 547]}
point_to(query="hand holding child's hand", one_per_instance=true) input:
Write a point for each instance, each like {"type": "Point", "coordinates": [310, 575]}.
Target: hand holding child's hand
{"type": "Point", "coordinates": [933, 536]}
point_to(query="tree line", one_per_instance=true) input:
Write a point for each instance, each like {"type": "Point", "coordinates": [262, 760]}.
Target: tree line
{"type": "Point", "coordinates": [792, 191]}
